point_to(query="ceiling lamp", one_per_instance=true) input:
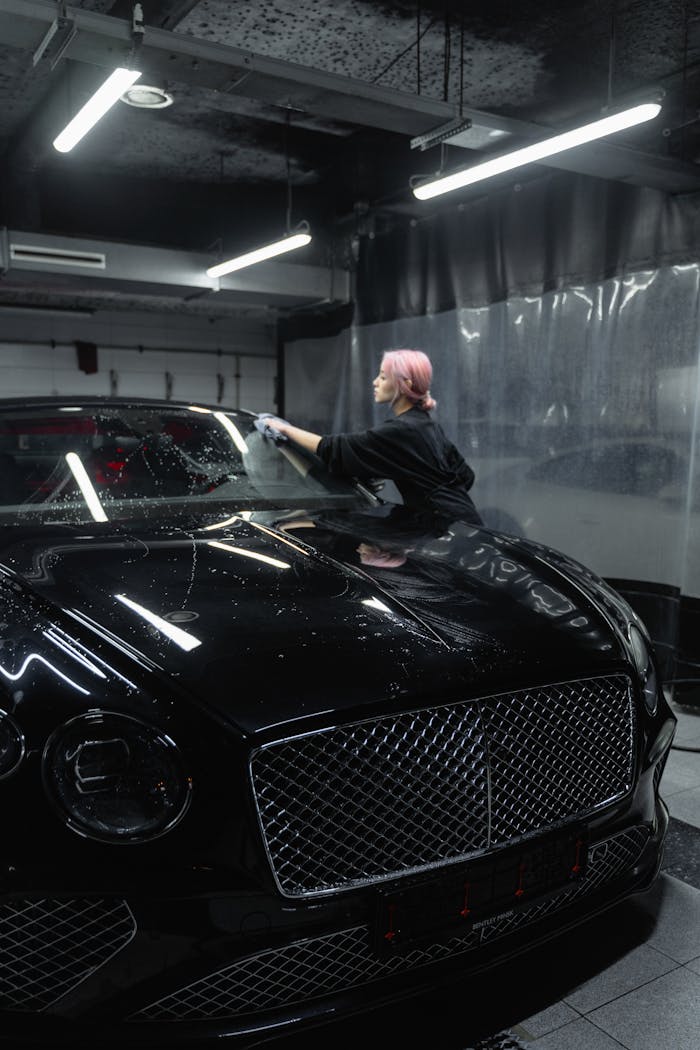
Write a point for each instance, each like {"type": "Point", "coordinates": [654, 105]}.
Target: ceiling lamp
{"type": "Point", "coordinates": [104, 98]}
{"type": "Point", "coordinates": [147, 96]}
{"type": "Point", "coordinates": [287, 244]}
{"type": "Point", "coordinates": [538, 150]}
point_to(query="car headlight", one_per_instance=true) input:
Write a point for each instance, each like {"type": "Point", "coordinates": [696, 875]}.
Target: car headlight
{"type": "Point", "coordinates": [645, 665]}
{"type": "Point", "coordinates": [115, 778]}
{"type": "Point", "coordinates": [11, 745]}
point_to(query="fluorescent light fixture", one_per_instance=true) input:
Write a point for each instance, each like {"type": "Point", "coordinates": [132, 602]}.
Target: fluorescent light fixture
{"type": "Point", "coordinates": [176, 634]}
{"type": "Point", "coordinates": [538, 150]}
{"type": "Point", "coordinates": [233, 432]}
{"type": "Point", "coordinates": [287, 244]}
{"type": "Point", "coordinates": [89, 495]}
{"type": "Point", "coordinates": [104, 98]}
{"type": "Point", "coordinates": [249, 554]}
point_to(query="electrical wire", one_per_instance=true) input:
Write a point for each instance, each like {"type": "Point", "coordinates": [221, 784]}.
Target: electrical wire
{"type": "Point", "coordinates": [611, 51]}
{"type": "Point", "coordinates": [461, 63]}
{"type": "Point", "coordinates": [418, 14]}
{"type": "Point", "coordinates": [405, 51]}
{"type": "Point", "coordinates": [684, 82]}
{"type": "Point", "coordinates": [288, 168]}
{"type": "Point", "coordinates": [446, 60]}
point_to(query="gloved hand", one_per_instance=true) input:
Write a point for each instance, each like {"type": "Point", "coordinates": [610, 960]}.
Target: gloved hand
{"type": "Point", "coordinates": [265, 423]}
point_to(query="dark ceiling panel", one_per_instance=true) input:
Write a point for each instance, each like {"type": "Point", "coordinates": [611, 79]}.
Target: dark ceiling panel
{"type": "Point", "coordinates": [326, 94]}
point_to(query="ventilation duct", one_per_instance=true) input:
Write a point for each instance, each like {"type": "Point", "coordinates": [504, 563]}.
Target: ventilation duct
{"type": "Point", "coordinates": [37, 253]}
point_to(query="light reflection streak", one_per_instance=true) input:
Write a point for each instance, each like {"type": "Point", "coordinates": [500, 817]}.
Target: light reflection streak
{"type": "Point", "coordinates": [250, 554]}
{"type": "Point", "coordinates": [244, 515]}
{"type": "Point", "coordinates": [233, 432]}
{"type": "Point", "coordinates": [60, 643]}
{"type": "Point", "coordinates": [278, 539]}
{"type": "Point", "coordinates": [89, 495]}
{"type": "Point", "coordinates": [375, 603]}
{"type": "Point", "coordinates": [182, 638]}
{"type": "Point", "coordinates": [15, 676]}
{"type": "Point", "coordinates": [124, 647]}
{"type": "Point", "coordinates": [222, 524]}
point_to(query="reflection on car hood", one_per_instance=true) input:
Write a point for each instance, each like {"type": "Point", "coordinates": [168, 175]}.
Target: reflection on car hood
{"type": "Point", "coordinates": [269, 620]}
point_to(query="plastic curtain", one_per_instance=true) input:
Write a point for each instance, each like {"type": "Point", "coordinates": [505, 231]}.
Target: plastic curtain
{"type": "Point", "coordinates": [578, 409]}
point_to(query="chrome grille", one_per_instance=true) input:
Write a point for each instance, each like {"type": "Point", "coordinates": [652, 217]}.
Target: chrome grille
{"type": "Point", "coordinates": [335, 962]}
{"type": "Point", "coordinates": [371, 799]}
{"type": "Point", "coordinates": [300, 971]}
{"type": "Point", "coordinates": [355, 804]}
{"type": "Point", "coordinates": [557, 753]}
{"type": "Point", "coordinates": [47, 947]}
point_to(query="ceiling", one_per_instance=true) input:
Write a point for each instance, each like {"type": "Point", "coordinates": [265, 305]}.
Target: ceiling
{"type": "Point", "coordinates": [303, 109]}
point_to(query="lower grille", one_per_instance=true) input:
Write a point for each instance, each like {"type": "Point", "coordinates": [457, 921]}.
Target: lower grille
{"type": "Point", "coordinates": [356, 804]}
{"type": "Point", "coordinates": [47, 947]}
{"type": "Point", "coordinates": [339, 961]}
{"type": "Point", "coordinates": [607, 860]}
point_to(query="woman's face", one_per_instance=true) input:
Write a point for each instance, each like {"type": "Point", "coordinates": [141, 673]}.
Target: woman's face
{"type": "Point", "coordinates": [384, 388]}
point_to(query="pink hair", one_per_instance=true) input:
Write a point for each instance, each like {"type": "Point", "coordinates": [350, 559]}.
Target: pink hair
{"type": "Point", "coordinates": [404, 366]}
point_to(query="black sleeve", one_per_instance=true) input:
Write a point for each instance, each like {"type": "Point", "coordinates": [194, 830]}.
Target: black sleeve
{"type": "Point", "coordinates": [367, 454]}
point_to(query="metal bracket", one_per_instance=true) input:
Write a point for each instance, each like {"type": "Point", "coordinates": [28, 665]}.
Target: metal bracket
{"type": "Point", "coordinates": [67, 30]}
{"type": "Point", "coordinates": [64, 46]}
{"type": "Point", "coordinates": [442, 133]}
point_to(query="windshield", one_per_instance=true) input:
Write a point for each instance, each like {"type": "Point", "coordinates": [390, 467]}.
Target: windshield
{"type": "Point", "coordinates": [98, 463]}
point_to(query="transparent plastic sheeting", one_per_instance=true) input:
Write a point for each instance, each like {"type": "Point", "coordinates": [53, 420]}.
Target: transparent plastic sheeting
{"type": "Point", "coordinates": [577, 409]}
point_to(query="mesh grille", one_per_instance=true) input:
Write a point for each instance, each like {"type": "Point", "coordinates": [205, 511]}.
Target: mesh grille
{"type": "Point", "coordinates": [376, 799]}
{"type": "Point", "coordinates": [49, 946]}
{"type": "Point", "coordinates": [606, 860]}
{"type": "Point", "coordinates": [339, 961]}
{"type": "Point", "coordinates": [557, 753]}
{"type": "Point", "coordinates": [300, 971]}
{"type": "Point", "coordinates": [371, 799]}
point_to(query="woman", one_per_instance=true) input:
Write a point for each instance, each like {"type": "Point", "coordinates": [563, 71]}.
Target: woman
{"type": "Point", "coordinates": [409, 448]}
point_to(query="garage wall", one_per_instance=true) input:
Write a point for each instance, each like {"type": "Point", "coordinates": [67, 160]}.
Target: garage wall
{"type": "Point", "coordinates": [231, 363]}
{"type": "Point", "coordinates": [248, 381]}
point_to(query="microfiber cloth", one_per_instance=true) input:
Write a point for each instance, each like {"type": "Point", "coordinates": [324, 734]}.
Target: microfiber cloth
{"type": "Point", "coordinates": [266, 427]}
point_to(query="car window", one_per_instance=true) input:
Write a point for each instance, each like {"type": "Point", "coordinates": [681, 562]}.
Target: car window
{"type": "Point", "coordinates": [104, 461]}
{"type": "Point", "coordinates": [637, 469]}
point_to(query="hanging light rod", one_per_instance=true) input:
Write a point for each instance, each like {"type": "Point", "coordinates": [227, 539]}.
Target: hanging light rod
{"type": "Point", "coordinates": [287, 244]}
{"type": "Point", "coordinates": [626, 118]}
{"type": "Point", "coordinates": [104, 98]}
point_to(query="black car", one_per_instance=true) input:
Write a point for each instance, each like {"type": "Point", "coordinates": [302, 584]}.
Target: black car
{"type": "Point", "coordinates": [272, 749]}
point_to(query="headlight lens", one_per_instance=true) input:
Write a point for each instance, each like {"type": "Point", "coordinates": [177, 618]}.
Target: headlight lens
{"type": "Point", "coordinates": [115, 778]}
{"type": "Point", "coordinates": [11, 745]}
{"type": "Point", "coordinates": [645, 666]}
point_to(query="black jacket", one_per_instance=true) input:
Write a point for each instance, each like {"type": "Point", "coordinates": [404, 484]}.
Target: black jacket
{"type": "Point", "coordinates": [413, 452]}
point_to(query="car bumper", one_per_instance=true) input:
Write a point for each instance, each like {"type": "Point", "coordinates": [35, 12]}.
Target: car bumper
{"type": "Point", "coordinates": [154, 981]}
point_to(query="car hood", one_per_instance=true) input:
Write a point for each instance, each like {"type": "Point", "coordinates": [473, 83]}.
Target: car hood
{"type": "Point", "coordinates": [270, 620]}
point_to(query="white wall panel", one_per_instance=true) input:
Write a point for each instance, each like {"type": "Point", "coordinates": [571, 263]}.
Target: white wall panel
{"type": "Point", "coordinates": [38, 371]}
